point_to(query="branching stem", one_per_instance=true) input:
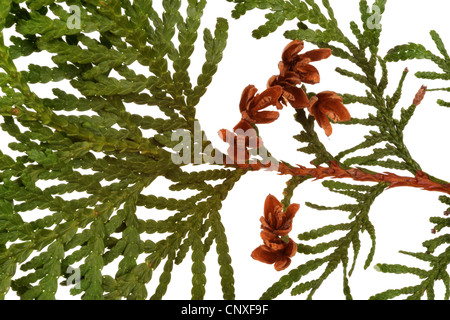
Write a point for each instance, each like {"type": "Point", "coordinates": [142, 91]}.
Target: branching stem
{"type": "Point", "coordinates": [421, 180]}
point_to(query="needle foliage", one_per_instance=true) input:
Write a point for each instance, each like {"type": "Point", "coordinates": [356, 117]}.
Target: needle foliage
{"type": "Point", "coordinates": [86, 161]}
{"type": "Point", "coordinates": [106, 154]}
{"type": "Point", "coordinates": [384, 146]}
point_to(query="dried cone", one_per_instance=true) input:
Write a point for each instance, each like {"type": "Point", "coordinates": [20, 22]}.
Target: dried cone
{"type": "Point", "coordinates": [239, 144]}
{"type": "Point", "coordinates": [275, 220]}
{"type": "Point", "coordinates": [420, 95]}
{"type": "Point", "coordinates": [276, 224]}
{"type": "Point", "coordinates": [280, 258]}
{"type": "Point", "coordinates": [300, 63]}
{"type": "Point", "coordinates": [326, 105]}
{"type": "Point", "coordinates": [292, 94]}
{"type": "Point", "coordinates": [295, 69]}
{"type": "Point", "coordinates": [252, 103]}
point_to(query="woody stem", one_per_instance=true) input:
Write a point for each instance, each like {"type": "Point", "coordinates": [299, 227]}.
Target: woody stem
{"type": "Point", "coordinates": [421, 180]}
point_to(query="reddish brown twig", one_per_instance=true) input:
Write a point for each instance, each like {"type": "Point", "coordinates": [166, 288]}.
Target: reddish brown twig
{"type": "Point", "coordinates": [421, 180]}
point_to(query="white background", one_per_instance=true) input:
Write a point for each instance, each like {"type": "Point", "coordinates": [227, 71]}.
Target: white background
{"type": "Point", "coordinates": [401, 216]}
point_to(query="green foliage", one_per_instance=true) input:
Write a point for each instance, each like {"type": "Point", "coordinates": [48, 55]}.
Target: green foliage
{"type": "Point", "coordinates": [93, 231]}
{"type": "Point", "coordinates": [417, 51]}
{"type": "Point", "coordinates": [438, 263]}
{"type": "Point", "coordinates": [86, 162]}
{"type": "Point", "coordinates": [346, 238]}
{"type": "Point", "coordinates": [390, 130]}
{"type": "Point", "coordinates": [383, 146]}
{"type": "Point", "coordinates": [309, 136]}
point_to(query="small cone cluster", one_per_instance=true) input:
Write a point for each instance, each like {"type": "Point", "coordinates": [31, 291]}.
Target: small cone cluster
{"type": "Point", "coordinates": [277, 248]}
{"type": "Point", "coordinates": [283, 89]}
{"type": "Point", "coordinates": [252, 107]}
{"type": "Point", "coordinates": [295, 69]}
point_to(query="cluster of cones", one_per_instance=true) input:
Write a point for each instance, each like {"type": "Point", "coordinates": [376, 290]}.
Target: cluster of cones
{"type": "Point", "coordinates": [283, 89]}
{"type": "Point", "coordinates": [278, 248]}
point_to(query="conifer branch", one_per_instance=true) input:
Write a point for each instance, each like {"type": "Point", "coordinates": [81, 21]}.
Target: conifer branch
{"type": "Point", "coordinates": [421, 180]}
{"type": "Point", "coordinates": [388, 130]}
{"type": "Point", "coordinates": [92, 143]}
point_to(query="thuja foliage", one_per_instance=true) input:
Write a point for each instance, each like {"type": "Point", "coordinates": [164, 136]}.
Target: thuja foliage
{"type": "Point", "coordinates": [103, 227]}
{"type": "Point", "coordinates": [92, 143]}
{"type": "Point", "coordinates": [384, 146]}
